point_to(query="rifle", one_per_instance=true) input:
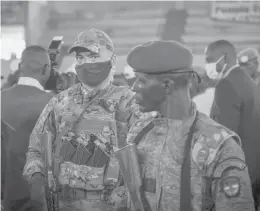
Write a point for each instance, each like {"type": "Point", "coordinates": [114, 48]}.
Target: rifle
{"type": "Point", "coordinates": [50, 183]}
{"type": "Point", "coordinates": [131, 171]}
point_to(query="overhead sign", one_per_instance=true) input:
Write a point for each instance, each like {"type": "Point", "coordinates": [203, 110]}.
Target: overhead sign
{"type": "Point", "coordinates": [13, 12]}
{"type": "Point", "coordinates": [237, 11]}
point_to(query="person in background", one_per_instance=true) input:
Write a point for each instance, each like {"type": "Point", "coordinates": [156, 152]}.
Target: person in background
{"type": "Point", "coordinates": [6, 132]}
{"type": "Point", "coordinates": [236, 102]}
{"type": "Point", "coordinates": [21, 107]}
{"type": "Point", "coordinates": [248, 60]}
{"type": "Point", "coordinates": [12, 79]}
{"type": "Point", "coordinates": [175, 22]}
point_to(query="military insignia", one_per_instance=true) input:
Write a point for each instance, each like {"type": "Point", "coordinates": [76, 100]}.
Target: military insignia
{"type": "Point", "coordinates": [95, 47]}
{"type": "Point", "coordinates": [229, 163]}
{"type": "Point", "coordinates": [231, 186]}
{"type": "Point", "coordinates": [107, 131]}
{"type": "Point", "coordinates": [216, 137]}
{"type": "Point", "coordinates": [100, 34]}
{"type": "Point", "coordinates": [200, 152]}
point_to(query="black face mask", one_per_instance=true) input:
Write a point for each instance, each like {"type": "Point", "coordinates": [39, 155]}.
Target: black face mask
{"type": "Point", "coordinates": [93, 74]}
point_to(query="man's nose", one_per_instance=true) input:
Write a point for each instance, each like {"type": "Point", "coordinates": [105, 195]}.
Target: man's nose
{"type": "Point", "coordinates": [134, 87]}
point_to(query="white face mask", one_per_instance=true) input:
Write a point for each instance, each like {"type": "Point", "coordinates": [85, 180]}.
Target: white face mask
{"type": "Point", "coordinates": [211, 70]}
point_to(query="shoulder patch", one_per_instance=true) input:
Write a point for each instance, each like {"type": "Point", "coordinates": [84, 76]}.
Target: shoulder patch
{"type": "Point", "coordinates": [231, 186]}
{"type": "Point", "coordinates": [229, 163]}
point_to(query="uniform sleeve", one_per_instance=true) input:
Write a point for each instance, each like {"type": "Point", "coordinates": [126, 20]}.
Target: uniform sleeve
{"type": "Point", "coordinates": [231, 186]}
{"type": "Point", "coordinates": [35, 156]}
{"type": "Point", "coordinates": [226, 106]}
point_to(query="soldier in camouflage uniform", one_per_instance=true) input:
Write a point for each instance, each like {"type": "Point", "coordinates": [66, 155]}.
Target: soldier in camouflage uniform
{"type": "Point", "coordinates": [85, 172]}
{"type": "Point", "coordinates": [187, 161]}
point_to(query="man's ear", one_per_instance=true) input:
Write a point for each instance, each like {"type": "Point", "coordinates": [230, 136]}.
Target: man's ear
{"type": "Point", "coordinates": [113, 60]}
{"type": "Point", "coordinates": [44, 69]}
{"type": "Point", "coordinates": [168, 85]}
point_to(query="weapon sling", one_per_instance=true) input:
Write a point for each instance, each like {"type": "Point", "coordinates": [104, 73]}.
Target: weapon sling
{"type": "Point", "coordinates": [185, 191]}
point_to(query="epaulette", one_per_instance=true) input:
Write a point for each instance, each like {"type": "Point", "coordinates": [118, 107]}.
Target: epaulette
{"type": "Point", "coordinates": [211, 136]}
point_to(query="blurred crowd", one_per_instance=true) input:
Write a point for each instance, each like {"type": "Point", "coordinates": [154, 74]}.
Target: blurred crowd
{"type": "Point", "coordinates": [248, 60]}
{"type": "Point", "coordinates": [37, 97]}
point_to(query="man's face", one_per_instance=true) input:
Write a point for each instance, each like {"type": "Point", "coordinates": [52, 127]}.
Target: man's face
{"type": "Point", "coordinates": [251, 67]}
{"type": "Point", "coordinates": [213, 56]}
{"type": "Point", "coordinates": [150, 93]}
{"type": "Point", "coordinates": [89, 74]}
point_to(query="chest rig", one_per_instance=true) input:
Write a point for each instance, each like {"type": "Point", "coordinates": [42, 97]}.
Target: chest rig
{"type": "Point", "coordinates": [84, 164]}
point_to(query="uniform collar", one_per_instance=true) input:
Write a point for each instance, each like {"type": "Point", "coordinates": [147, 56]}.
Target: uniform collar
{"type": "Point", "coordinates": [30, 82]}
{"type": "Point", "coordinates": [230, 70]}
{"type": "Point", "coordinates": [178, 125]}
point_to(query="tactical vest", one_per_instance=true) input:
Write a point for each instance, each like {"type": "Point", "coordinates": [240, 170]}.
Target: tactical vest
{"type": "Point", "coordinates": [85, 156]}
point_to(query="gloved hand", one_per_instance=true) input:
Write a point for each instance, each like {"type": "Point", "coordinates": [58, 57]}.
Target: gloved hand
{"type": "Point", "coordinates": [38, 192]}
{"type": "Point", "coordinates": [124, 109]}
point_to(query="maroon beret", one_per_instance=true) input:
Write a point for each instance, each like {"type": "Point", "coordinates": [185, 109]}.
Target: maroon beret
{"type": "Point", "coordinates": [156, 57]}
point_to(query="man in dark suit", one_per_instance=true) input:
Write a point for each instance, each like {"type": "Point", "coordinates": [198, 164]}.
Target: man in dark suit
{"type": "Point", "coordinates": [6, 131]}
{"type": "Point", "coordinates": [22, 104]}
{"type": "Point", "coordinates": [237, 100]}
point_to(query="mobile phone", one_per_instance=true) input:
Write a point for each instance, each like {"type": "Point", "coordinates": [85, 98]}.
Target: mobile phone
{"type": "Point", "coordinates": [56, 43]}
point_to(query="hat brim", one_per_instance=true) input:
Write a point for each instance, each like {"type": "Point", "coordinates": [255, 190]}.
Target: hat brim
{"type": "Point", "coordinates": [75, 47]}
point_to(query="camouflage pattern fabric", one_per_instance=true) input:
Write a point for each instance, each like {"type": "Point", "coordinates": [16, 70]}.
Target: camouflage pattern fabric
{"type": "Point", "coordinates": [88, 172]}
{"type": "Point", "coordinates": [216, 154]}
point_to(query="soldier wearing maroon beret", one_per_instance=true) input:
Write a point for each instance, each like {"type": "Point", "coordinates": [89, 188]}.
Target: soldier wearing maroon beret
{"type": "Point", "coordinates": [189, 162]}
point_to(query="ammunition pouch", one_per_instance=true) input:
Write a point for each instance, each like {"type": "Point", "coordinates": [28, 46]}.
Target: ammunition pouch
{"type": "Point", "coordinates": [68, 193]}
{"type": "Point", "coordinates": [130, 169]}
{"type": "Point", "coordinates": [81, 176]}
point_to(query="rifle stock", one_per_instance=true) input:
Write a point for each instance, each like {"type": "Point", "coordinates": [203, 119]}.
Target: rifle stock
{"type": "Point", "coordinates": [50, 184]}
{"type": "Point", "coordinates": [130, 168]}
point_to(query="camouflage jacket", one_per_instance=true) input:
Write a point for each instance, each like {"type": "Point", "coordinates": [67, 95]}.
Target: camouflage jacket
{"type": "Point", "coordinates": [215, 154]}
{"type": "Point", "coordinates": [86, 163]}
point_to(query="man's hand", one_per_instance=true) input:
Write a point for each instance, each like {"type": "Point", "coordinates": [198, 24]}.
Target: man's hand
{"type": "Point", "coordinates": [124, 110]}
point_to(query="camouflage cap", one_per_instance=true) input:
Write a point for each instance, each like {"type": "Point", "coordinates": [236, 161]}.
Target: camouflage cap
{"type": "Point", "coordinates": [91, 40]}
{"type": "Point", "coordinates": [158, 57]}
{"type": "Point", "coordinates": [247, 55]}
